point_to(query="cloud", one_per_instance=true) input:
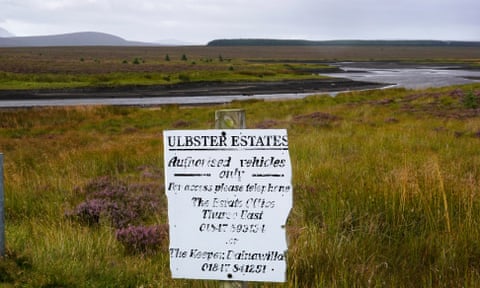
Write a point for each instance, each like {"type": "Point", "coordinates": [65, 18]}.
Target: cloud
{"type": "Point", "coordinates": [201, 21]}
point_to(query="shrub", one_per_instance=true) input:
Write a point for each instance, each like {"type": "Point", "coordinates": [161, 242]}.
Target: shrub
{"type": "Point", "coordinates": [471, 100]}
{"type": "Point", "coordinates": [143, 239]}
{"type": "Point", "coordinates": [89, 212]}
{"type": "Point", "coordinates": [184, 77]}
{"type": "Point", "coordinates": [117, 203]}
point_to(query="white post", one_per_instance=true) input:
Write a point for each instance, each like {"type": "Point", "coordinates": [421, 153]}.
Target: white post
{"type": "Point", "coordinates": [231, 119]}
{"type": "Point", "coordinates": [2, 209]}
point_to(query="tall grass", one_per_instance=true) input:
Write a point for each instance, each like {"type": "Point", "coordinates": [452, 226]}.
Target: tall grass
{"type": "Point", "coordinates": [386, 188]}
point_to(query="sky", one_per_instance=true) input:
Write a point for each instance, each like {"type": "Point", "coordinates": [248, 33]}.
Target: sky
{"type": "Point", "coordinates": [200, 21]}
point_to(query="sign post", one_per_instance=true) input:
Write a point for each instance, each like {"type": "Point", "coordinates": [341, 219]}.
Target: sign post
{"type": "Point", "coordinates": [2, 210]}
{"type": "Point", "coordinates": [229, 195]}
{"type": "Point", "coordinates": [231, 119]}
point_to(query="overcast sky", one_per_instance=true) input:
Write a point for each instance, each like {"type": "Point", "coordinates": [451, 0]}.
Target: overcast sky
{"type": "Point", "coordinates": [199, 21]}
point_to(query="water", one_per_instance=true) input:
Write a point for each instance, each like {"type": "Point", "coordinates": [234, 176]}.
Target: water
{"type": "Point", "coordinates": [407, 77]}
{"type": "Point", "coordinates": [146, 101]}
{"type": "Point", "coordinates": [411, 78]}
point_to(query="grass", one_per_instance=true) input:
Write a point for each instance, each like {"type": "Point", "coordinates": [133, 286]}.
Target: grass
{"type": "Point", "coordinates": [385, 189]}
{"type": "Point", "coordinates": [14, 81]}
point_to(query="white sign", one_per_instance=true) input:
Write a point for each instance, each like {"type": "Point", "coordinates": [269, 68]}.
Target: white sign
{"type": "Point", "coordinates": [229, 195]}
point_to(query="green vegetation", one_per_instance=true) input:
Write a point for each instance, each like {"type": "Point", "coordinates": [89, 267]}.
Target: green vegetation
{"type": "Point", "coordinates": [385, 189]}
{"type": "Point", "coordinates": [12, 81]}
{"type": "Point", "coordinates": [192, 72]}
{"type": "Point", "coordinates": [471, 100]}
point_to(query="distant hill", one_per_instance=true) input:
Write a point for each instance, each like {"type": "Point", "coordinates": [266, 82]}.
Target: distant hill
{"type": "Point", "coordinates": [280, 42]}
{"type": "Point", "coordinates": [70, 39]}
{"type": "Point", "coordinates": [5, 33]}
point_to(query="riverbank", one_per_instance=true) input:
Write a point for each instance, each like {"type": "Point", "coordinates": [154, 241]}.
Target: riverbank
{"type": "Point", "coordinates": [245, 88]}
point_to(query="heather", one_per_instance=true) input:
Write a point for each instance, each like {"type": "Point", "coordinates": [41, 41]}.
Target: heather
{"type": "Point", "coordinates": [120, 204]}
{"type": "Point", "coordinates": [125, 207]}
{"type": "Point", "coordinates": [385, 190]}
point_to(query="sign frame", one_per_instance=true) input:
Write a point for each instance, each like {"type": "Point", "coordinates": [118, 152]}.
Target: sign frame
{"type": "Point", "coordinates": [229, 195]}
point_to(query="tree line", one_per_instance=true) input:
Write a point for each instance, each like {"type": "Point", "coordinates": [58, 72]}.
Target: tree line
{"type": "Point", "coordinates": [298, 42]}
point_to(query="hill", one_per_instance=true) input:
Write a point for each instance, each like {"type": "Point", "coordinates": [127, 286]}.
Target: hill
{"type": "Point", "coordinates": [70, 39]}
{"type": "Point", "coordinates": [294, 42]}
{"type": "Point", "coordinates": [5, 33]}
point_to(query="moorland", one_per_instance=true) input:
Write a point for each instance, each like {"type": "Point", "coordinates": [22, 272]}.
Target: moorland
{"type": "Point", "coordinates": [385, 182]}
{"type": "Point", "coordinates": [195, 70]}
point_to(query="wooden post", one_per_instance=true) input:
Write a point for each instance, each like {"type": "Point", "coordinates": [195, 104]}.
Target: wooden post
{"type": "Point", "coordinates": [231, 119]}
{"type": "Point", "coordinates": [2, 210]}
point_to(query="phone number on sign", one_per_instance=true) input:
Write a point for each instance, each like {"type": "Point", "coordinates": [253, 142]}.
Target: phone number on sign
{"type": "Point", "coordinates": [242, 268]}
{"type": "Point", "coordinates": [233, 228]}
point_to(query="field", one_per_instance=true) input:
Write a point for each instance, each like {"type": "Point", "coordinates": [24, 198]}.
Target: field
{"type": "Point", "coordinates": [386, 182]}
{"type": "Point", "coordinates": [106, 67]}
{"type": "Point", "coordinates": [68, 67]}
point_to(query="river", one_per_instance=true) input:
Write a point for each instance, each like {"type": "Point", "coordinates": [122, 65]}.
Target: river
{"type": "Point", "coordinates": [392, 76]}
{"type": "Point", "coordinates": [407, 76]}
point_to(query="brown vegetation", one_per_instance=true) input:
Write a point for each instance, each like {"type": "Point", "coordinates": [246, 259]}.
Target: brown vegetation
{"type": "Point", "coordinates": [152, 59]}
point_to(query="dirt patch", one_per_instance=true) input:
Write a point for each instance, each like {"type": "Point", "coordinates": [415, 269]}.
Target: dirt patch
{"type": "Point", "coordinates": [321, 116]}
{"type": "Point", "coordinates": [194, 89]}
{"type": "Point", "coordinates": [266, 124]}
{"type": "Point", "coordinates": [316, 118]}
